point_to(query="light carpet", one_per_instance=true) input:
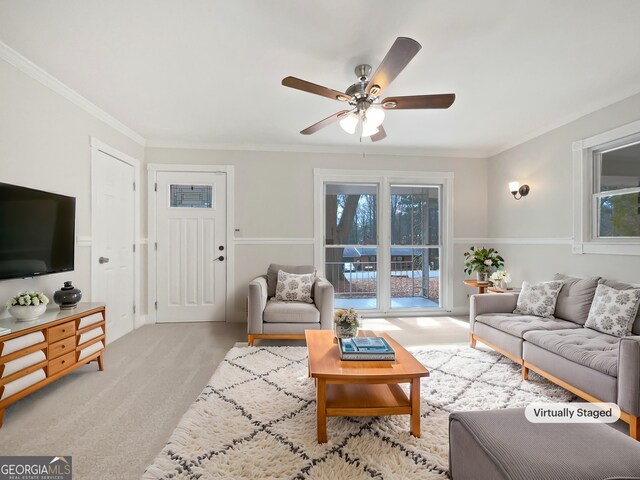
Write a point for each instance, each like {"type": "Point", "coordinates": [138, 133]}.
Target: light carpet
{"type": "Point", "coordinates": [256, 419]}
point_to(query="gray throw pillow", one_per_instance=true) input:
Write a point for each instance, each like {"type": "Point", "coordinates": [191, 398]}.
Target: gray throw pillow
{"type": "Point", "coordinates": [575, 298]}
{"type": "Point", "coordinates": [294, 288]}
{"type": "Point", "coordinates": [613, 311]}
{"type": "Point", "coordinates": [274, 268]}
{"type": "Point", "coordinates": [538, 299]}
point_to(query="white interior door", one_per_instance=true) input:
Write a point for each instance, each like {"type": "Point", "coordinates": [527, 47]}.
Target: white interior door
{"type": "Point", "coordinates": [112, 262]}
{"type": "Point", "coordinates": [191, 246]}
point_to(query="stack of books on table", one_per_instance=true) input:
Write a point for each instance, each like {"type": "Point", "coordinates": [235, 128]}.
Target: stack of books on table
{"type": "Point", "coordinates": [366, 348]}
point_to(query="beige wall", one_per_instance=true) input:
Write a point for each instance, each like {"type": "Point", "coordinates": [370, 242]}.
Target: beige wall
{"type": "Point", "coordinates": [44, 144]}
{"type": "Point", "coordinates": [545, 164]}
{"type": "Point", "coordinates": [274, 199]}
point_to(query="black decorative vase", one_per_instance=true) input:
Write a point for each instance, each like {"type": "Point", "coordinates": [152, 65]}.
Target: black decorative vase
{"type": "Point", "coordinates": [67, 297]}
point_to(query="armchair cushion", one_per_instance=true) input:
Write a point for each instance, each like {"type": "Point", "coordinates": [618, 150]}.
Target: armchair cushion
{"type": "Point", "coordinates": [277, 311]}
{"type": "Point", "coordinates": [272, 274]}
{"type": "Point", "coordinates": [295, 288]}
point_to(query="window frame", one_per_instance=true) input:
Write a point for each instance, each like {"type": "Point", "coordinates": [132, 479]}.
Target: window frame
{"type": "Point", "coordinates": [586, 186]}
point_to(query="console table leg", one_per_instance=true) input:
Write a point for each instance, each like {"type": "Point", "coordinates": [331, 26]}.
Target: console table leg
{"type": "Point", "coordinates": [321, 409]}
{"type": "Point", "coordinates": [415, 407]}
{"type": "Point", "coordinates": [100, 364]}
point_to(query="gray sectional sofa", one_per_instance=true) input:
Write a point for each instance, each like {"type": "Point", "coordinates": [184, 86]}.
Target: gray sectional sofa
{"type": "Point", "coordinates": [595, 366]}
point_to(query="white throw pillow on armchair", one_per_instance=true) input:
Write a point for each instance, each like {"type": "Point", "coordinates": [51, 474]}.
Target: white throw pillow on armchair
{"type": "Point", "coordinates": [538, 298]}
{"type": "Point", "coordinates": [294, 288]}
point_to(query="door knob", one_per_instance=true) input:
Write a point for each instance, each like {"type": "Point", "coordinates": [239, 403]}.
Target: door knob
{"type": "Point", "coordinates": [102, 260]}
{"type": "Point", "coordinates": [219, 259]}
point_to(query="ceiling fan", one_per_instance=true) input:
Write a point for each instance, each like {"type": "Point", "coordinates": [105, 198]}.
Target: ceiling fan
{"type": "Point", "coordinates": [366, 112]}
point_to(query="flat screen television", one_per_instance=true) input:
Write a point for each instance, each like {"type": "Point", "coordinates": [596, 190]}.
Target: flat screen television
{"type": "Point", "coordinates": [37, 232]}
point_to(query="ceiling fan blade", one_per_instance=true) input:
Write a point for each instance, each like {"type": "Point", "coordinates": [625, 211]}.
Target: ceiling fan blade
{"type": "Point", "coordinates": [398, 57]}
{"type": "Point", "coordinates": [323, 123]}
{"type": "Point", "coordinates": [376, 137]}
{"type": "Point", "coordinates": [444, 100]}
{"type": "Point", "coordinates": [305, 86]}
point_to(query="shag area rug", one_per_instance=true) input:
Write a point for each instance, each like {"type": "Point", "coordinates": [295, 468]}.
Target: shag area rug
{"type": "Point", "coordinates": [256, 419]}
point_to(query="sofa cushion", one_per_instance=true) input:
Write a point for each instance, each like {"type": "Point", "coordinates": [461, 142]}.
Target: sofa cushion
{"type": "Point", "coordinates": [274, 268]}
{"type": "Point", "coordinates": [517, 325]}
{"type": "Point", "coordinates": [538, 299]}
{"type": "Point", "coordinates": [575, 298]}
{"type": "Point", "coordinates": [290, 312]}
{"type": "Point", "coordinates": [613, 311]}
{"type": "Point", "coordinates": [635, 328]}
{"type": "Point", "coordinates": [294, 288]}
{"type": "Point", "coordinates": [584, 346]}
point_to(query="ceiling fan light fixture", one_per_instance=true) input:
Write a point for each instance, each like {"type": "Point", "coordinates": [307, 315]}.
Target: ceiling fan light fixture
{"type": "Point", "coordinates": [374, 115]}
{"type": "Point", "coordinates": [349, 123]}
{"type": "Point", "coordinates": [368, 129]}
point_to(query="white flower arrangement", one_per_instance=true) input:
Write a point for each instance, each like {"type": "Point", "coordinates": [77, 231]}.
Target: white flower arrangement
{"type": "Point", "coordinates": [346, 318]}
{"type": "Point", "coordinates": [27, 298]}
{"type": "Point", "coordinates": [500, 276]}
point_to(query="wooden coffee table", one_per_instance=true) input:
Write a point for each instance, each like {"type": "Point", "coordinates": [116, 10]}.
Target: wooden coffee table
{"type": "Point", "coordinates": [362, 388]}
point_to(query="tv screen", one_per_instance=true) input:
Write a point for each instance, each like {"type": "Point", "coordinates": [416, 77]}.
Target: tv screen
{"type": "Point", "coordinates": [37, 231]}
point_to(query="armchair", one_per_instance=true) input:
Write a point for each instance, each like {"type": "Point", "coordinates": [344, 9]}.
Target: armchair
{"type": "Point", "coordinates": [270, 318]}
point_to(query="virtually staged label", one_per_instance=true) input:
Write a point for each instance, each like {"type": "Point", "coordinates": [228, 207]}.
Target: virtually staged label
{"type": "Point", "coordinates": [577, 412]}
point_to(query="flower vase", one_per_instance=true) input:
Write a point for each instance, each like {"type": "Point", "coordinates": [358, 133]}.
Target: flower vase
{"type": "Point", "coordinates": [26, 313]}
{"type": "Point", "coordinates": [482, 277]}
{"type": "Point", "coordinates": [346, 330]}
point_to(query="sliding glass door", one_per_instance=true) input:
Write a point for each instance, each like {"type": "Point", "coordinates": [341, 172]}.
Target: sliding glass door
{"type": "Point", "coordinates": [383, 244]}
{"type": "Point", "coordinates": [415, 246]}
{"type": "Point", "coordinates": [351, 244]}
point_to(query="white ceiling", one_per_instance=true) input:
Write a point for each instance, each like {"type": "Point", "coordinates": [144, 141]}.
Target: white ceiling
{"type": "Point", "coordinates": [204, 72]}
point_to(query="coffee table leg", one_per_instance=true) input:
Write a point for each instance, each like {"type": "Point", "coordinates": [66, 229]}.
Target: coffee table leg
{"type": "Point", "coordinates": [321, 409]}
{"type": "Point", "coordinates": [415, 407]}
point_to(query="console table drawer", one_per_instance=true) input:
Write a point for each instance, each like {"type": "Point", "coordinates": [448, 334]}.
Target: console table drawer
{"type": "Point", "coordinates": [61, 331]}
{"type": "Point", "coordinates": [61, 363]}
{"type": "Point", "coordinates": [61, 347]}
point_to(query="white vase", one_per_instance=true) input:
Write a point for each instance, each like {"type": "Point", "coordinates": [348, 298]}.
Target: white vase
{"type": "Point", "coordinates": [24, 313]}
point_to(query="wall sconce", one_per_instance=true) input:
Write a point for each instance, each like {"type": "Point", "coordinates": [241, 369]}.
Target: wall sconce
{"type": "Point", "coordinates": [516, 189]}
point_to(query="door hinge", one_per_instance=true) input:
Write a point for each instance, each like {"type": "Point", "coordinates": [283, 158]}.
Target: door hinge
{"type": "Point", "coordinates": [134, 186]}
{"type": "Point", "coordinates": [155, 187]}
{"type": "Point", "coordinates": [156, 246]}
{"type": "Point", "coordinates": [134, 248]}
{"type": "Point", "coordinates": [134, 309]}
{"type": "Point", "coordinates": [156, 305]}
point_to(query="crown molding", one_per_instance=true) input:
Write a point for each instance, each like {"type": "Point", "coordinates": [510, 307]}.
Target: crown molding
{"type": "Point", "coordinates": [357, 150]}
{"type": "Point", "coordinates": [594, 107]}
{"type": "Point", "coordinates": [25, 65]}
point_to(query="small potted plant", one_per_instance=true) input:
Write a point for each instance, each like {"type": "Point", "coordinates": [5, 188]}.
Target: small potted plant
{"type": "Point", "coordinates": [346, 323]}
{"type": "Point", "coordinates": [482, 261]}
{"type": "Point", "coordinates": [501, 279]}
{"type": "Point", "coordinates": [27, 306]}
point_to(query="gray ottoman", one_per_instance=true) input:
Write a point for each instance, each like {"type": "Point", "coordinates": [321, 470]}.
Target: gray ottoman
{"type": "Point", "coordinates": [503, 445]}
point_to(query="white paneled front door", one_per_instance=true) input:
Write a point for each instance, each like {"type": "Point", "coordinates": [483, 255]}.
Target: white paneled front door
{"type": "Point", "coordinates": [112, 257]}
{"type": "Point", "coordinates": [191, 246]}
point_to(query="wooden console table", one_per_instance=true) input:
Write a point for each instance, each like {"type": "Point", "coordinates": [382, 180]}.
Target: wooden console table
{"type": "Point", "coordinates": [41, 351]}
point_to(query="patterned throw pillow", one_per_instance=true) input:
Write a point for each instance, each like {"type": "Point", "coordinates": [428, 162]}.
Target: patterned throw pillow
{"type": "Point", "coordinates": [613, 311]}
{"type": "Point", "coordinates": [294, 288]}
{"type": "Point", "coordinates": [538, 299]}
